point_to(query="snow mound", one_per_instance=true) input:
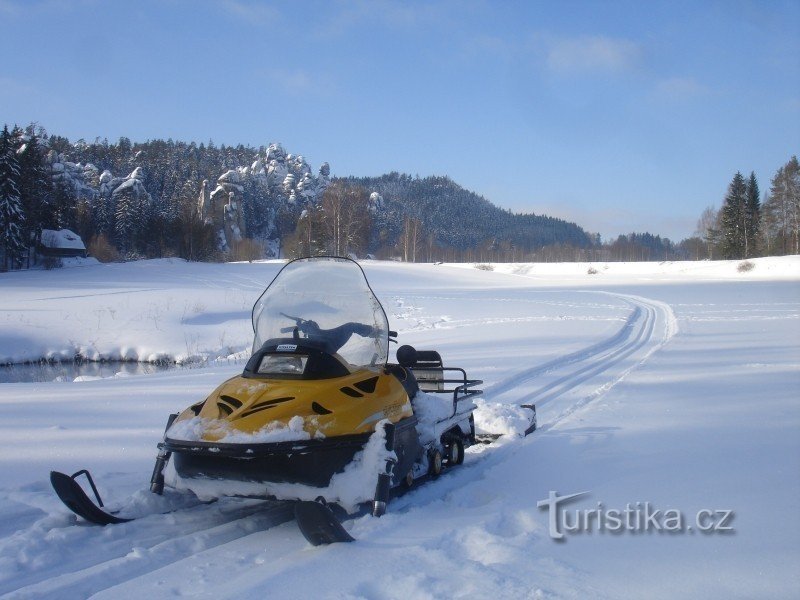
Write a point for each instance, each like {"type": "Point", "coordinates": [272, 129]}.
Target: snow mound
{"type": "Point", "coordinates": [501, 419]}
{"type": "Point", "coordinates": [430, 409]}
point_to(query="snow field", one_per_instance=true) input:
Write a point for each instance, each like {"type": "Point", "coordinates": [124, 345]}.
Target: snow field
{"type": "Point", "coordinates": [678, 389]}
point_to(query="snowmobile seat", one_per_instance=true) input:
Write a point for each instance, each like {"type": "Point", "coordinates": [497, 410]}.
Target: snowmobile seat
{"type": "Point", "coordinates": [426, 366]}
{"type": "Point", "coordinates": [406, 377]}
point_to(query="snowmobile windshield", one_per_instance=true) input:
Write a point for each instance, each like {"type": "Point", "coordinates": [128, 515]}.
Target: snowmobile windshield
{"type": "Point", "coordinates": [326, 300]}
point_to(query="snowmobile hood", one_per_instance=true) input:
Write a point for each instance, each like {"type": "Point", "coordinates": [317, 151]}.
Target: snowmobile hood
{"type": "Point", "coordinates": [253, 411]}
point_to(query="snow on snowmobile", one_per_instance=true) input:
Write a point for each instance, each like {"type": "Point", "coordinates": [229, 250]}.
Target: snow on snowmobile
{"type": "Point", "coordinates": [318, 417]}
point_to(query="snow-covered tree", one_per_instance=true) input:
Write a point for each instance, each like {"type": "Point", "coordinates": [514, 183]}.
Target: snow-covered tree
{"type": "Point", "coordinates": [133, 213]}
{"type": "Point", "coordinates": [35, 186]}
{"type": "Point", "coordinates": [12, 216]}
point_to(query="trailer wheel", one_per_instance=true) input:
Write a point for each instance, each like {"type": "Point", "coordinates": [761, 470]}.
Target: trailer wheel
{"type": "Point", "coordinates": [408, 480]}
{"type": "Point", "coordinates": [435, 463]}
{"type": "Point", "coordinates": [455, 451]}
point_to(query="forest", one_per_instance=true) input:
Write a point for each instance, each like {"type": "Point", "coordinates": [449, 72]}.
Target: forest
{"type": "Point", "coordinates": [204, 202]}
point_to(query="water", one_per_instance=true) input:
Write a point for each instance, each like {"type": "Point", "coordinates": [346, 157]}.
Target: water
{"type": "Point", "coordinates": [68, 371]}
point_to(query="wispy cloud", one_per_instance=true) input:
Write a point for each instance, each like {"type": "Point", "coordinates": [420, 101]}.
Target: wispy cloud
{"type": "Point", "coordinates": [253, 12]}
{"type": "Point", "coordinates": [590, 54]}
{"type": "Point", "coordinates": [294, 81]}
{"type": "Point", "coordinates": [391, 13]}
{"type": "Point", "coordinates": [14, 8]}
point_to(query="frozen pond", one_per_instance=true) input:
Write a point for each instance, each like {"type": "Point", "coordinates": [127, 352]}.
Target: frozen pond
{"type": "Point", "coordinates": [68, 371]}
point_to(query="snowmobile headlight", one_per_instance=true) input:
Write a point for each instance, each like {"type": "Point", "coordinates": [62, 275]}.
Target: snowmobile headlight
{"type": "Point", "coordinates": [282, 364]}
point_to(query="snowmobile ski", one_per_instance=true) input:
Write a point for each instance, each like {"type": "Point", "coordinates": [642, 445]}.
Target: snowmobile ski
{"type": "Point", "coordinates": [532, 427]}
{"type": "Point", "coordinates": [318, 524]}
{"type": "Point", "coordinates": [74, 498]}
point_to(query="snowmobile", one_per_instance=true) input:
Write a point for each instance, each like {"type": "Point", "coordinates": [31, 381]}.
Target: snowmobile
{"type": "Point", "coordinates": [317, 399]}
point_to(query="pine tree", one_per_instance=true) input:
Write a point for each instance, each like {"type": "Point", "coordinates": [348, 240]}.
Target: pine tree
{"type": "Point", "coordinates": [128, 220]}
{"type": "Point", "coordinates": [35, 187]}
{"type": "Point", "coordinates": [752, 217]}
{"type": "Point", "coordinates": [734, 212]}
{"type": "Point", "coordinates": [12, 216]}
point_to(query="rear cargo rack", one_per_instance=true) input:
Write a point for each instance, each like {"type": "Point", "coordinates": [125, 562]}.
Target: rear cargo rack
{"type": "Point", "coordinates": [431, 379]}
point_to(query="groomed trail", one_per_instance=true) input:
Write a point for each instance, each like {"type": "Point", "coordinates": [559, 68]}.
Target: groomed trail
{"type": "Point", "coordinates": [576, 379]}
{"type": "Point", "coordinates": [207, 544]}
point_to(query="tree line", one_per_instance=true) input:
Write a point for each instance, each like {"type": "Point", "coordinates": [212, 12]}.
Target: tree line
{"type": "Point", "coordinates": [748, 224]}
{"type": "Point", "coordinates": [140, 200]}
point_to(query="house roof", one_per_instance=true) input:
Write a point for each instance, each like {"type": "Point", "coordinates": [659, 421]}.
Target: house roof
{"type": "Point", "coordinates": [62, 238]}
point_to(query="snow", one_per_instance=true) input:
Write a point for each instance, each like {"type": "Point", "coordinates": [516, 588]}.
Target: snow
{"type": "Point", "coordinates": [62, 238]}
{"type": "Point", "coordinates": [354, 485]}
{"type": "Point", "coordinates": [668, 383]}
{"type": "Point", "coordinates": [503, 419]}
{"type": "Point", "coordinates": [193, 430]}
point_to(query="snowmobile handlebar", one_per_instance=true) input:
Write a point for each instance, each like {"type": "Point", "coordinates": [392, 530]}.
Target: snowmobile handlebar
{"type": "Point", "coordinates": [335, 338]}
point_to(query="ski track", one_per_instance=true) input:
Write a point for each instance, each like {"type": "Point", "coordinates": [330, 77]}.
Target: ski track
{"type": "Point", "coordinates": [133, 551]}
{"type": "Point", "coordinates": [649, 326]}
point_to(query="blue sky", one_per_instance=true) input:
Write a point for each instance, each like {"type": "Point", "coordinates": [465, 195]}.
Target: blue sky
{"type": "Point", "coordinates": [621, 116]}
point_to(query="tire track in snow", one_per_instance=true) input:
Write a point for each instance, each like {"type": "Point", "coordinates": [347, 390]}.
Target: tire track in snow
{"type": "Point", "coordinates": [649, 327]}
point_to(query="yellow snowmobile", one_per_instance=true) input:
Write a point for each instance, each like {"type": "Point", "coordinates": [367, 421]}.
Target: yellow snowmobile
{"type": "Point", "coordinates": [318, 415]}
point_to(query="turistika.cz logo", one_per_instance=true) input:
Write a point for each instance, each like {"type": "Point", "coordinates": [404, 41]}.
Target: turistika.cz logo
{"type": "Point", "coordinates": [637, 517]}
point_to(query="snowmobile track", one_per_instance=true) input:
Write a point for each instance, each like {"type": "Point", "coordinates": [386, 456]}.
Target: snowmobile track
{"type": "Point", "coordinates": [650, 325]}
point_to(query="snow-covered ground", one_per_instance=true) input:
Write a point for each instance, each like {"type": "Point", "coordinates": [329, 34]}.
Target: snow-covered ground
{"type": "Point", "coordinates": [673, 384]}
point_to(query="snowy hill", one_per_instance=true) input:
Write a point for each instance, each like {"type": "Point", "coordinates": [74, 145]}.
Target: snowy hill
{"type": "Point", "coordinates": [660, 387]}
{"type": "Point", "coordinates": [260, 193]}
{"type": "Point", "coordinates": [461, 219]}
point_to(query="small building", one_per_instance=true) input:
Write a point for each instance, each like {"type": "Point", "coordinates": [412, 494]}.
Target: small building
{"type": "Point", "coordinates": [62, 243]}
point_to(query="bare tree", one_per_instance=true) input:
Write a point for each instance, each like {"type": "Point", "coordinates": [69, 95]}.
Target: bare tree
{"type": "Point", "coordinates": [409, 239]}
{"type": "Point", "coordinates": [782, 210]}
{"type": "Point", "coordinates": [346, 218]}
{"type": "Point", "coordinates": [708, 228]}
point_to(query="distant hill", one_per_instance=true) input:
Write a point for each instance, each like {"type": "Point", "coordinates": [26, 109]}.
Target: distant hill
{"type": "Point", "coordinates": [208, 202]}
{"type": "Point", "coordinates": [462, 219]}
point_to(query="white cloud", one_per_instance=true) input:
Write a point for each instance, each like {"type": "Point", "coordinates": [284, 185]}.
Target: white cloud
{"type": "Point", "coordinates": [400, 15]}
{"type": "Point", "coordinates": [252, 12]}
{"type": "Point", "coordinates": [295, 81]}
{"type": "Point", "coordinates": [591, 53]}
{"type": "Point", "coordinates": [25, 7]}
